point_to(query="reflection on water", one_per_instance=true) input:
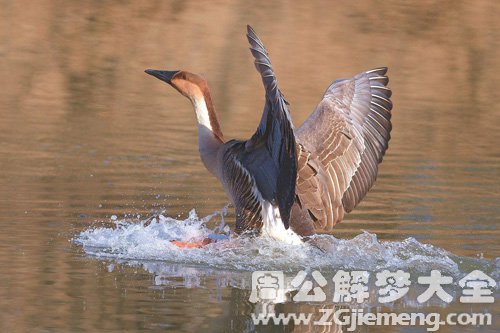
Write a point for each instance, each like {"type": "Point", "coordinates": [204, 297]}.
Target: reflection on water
{"type": "Point", "coordinates": [85, 134]}
{"type": "Point", "coordinates": [231, 260]}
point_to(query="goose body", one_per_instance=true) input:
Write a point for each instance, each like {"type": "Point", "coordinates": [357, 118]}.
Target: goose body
{"type": "Point", "coordinates": [289, 183]}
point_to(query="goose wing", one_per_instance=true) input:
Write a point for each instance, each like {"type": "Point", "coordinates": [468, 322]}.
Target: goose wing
{"type": "Point", "coordinates": [269, 156]}
{"type": "Point", "coordinates": [341, 144]}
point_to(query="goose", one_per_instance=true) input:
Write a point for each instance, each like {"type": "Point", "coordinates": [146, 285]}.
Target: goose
{"type": "Point", "coordinates": [290, 183]}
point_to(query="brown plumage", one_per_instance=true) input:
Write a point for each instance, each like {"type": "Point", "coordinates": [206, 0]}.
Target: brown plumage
{"type": "Point", "coordinates": [306, 178]}
{"type": "Point", "coordinates": [341, 145]}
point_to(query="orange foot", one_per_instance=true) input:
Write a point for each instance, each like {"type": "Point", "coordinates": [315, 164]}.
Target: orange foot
{"type": "Point", "coordinates": [192, 245]}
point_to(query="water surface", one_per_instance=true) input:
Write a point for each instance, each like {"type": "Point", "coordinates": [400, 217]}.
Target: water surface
{"type": "Point", "coordinates": [85, 135]}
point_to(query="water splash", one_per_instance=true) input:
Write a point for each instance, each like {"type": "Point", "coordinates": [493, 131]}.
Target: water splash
{"type": "Point", "coordinates": [150, 240]}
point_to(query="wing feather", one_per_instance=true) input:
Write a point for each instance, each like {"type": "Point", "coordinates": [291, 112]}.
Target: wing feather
{"type": "Point", "coordinates": [274, 139]}
{"type": "Point", "coordinates": [242, 187]}
{"type": "Point", "coordinates": [345, 139]}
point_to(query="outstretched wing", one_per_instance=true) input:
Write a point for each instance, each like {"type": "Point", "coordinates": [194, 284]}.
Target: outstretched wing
{"type": "Point", "coordinates": [269, 157]}
{"type": "Point", "coordinates": [341, 144]}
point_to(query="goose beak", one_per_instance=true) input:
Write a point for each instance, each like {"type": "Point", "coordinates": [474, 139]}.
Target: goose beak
{"type": "Point", "coordinates": [165, 76]}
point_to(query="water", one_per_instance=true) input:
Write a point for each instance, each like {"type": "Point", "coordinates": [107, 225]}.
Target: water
{"type": "Point", "coordinates": [85, 135]}
{"type": "Point", "coordinates": [230, 262]}
{"type": "Point", "coordinates": [150, 240]}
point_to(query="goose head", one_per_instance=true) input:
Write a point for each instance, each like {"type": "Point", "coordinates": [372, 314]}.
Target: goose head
{"type": "Point", "coordinates": [195, 88]}
{"type": "Point", "coordinates": [190, 85]}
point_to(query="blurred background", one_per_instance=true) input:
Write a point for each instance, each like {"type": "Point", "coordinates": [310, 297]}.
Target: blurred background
{"type": "Point", "coordinates": [85, 134]}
